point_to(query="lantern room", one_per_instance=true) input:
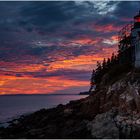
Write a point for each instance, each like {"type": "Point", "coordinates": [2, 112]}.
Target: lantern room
{"type": "Point", "coordinates": [137, 21]}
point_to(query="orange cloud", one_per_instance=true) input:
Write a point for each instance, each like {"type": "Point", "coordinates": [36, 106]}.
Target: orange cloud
{"type": "Point", "coordinates": [38, 85]}
{"type": "Point", "coordinates": [29, 85]}
{"type": "Point", "coordinates": [82, 62]}
{"type": "Point", "coordinates": [19, 67]}
{"type": "Point", "coordinates": [111, 50]}
{"type": "Point", "coordinates": [114, 37]}
{"type": "Point", "coordinates": [85, 41]}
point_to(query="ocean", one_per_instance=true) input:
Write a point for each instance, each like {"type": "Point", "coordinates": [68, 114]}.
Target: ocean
{"type": "Point", "coordinates": [12, 106]}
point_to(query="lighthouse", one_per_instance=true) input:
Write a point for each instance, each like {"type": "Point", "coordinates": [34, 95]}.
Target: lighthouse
{"type": "Point", "coordinates": [129, 43]}
{"type": "Point", "coordinates": [135, 40]}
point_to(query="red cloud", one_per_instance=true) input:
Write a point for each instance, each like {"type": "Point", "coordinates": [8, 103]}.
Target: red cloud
{"type": "Point", "coordinates": [106, 28]}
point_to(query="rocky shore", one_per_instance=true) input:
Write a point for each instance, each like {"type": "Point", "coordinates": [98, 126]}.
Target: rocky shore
{"type": "Point", "coordinates": [112, 111]}
{"type": "Point", "coordinates": [64, 121]}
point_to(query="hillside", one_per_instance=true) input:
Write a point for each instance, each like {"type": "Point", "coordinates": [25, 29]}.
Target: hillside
{"type": "Point", "coordinates": [112, 111]}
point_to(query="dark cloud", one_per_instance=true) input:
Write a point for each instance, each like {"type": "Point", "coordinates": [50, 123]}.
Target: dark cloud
{"type": "Point", "coordinates": [48, 15]}
{"type": "Point", "coordinates": [72, 74]}
{"type": "Point", "coordinates": [127, 9]}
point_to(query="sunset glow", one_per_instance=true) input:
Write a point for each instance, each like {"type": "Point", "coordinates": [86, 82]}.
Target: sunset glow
{"type": "Point", "coordinates": [36, 85]}
{"type": "Point", "coordinates": [54, 51]}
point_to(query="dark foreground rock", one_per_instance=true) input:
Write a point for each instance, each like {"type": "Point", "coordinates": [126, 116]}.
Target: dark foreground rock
{"type": "Point", "coordinates": [64, 121]}
{"type": "Point", "coordinates": [113, 111]}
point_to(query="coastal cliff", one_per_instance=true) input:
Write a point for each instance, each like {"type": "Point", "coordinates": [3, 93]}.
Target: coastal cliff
{"type": "Point", "coordinates": [112, 111]}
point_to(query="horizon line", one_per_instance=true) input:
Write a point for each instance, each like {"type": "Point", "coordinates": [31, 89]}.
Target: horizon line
{"type": "Point", "coordinates": [38, 94]}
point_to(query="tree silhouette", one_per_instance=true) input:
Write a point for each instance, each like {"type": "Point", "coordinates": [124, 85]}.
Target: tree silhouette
{"type": "Point", "coordinates": [92, 82]}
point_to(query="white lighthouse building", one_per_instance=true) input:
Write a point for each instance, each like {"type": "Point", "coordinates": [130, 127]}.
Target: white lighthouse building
{"type": "Point", "coordinates": [135, 37]}
{"type": "Point", "coordinates": [129, 43]}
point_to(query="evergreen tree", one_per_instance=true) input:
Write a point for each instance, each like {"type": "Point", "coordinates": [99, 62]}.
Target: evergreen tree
{"type": "Point", "coordinates": [104, 64]}
{"type": "Point", "coordinates": [108, 63]}
{"type": "Point", "coordinates": [112, 59]}
{"type": "Point", "coordinates": [92, 80]}
{"type": "Point", "coordinates": [99, 67]}
{"type": "Point", "coordinates": [98, 72]}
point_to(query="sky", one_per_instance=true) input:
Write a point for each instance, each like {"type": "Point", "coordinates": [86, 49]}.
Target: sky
{"type": "Point", "coordinates": [51, 47]}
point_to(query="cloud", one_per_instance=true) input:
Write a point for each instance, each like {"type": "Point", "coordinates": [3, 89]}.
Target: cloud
{"type": "Point", "coordinates": [41, 40]}
{"type": "Point", "coordinates": [49, 15]}
{"type": "Point", "coordinates": [104, 7]}
{"type": "Point", "coordinates": [126, 9]}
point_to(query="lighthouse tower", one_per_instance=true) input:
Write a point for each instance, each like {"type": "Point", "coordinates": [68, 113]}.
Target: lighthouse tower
{"type": "Point", "coordinates": [135, 38]}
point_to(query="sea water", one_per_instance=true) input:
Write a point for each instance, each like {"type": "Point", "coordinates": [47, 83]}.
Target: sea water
{"type": "Point", "coordinates": [12, 106]}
